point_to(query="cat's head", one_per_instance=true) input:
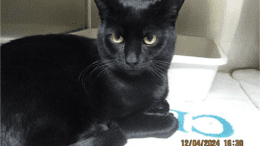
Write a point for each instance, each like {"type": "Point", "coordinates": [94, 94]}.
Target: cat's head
{"type": "Point", "coordinates": [137, 35]}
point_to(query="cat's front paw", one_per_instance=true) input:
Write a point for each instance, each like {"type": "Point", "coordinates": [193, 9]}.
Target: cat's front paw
{"type": "Point", "coordinates": [164, 126]}
{"type": "Point", "coordinates": [169, 125]}
{"type": "Point", "coordinates": [160, 109]}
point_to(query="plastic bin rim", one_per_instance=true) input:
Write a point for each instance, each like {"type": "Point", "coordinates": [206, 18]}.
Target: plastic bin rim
{"type": "Point", "coordinates": [202, 60]}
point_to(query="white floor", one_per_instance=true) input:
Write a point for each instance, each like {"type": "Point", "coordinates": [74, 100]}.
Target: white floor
{"type": "Point", "coordinates": [228, 113]}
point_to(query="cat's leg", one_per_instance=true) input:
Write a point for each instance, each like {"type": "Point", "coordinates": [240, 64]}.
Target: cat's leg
{"type": "Point", "coordinates": [102, 135]}
{"type": "Point", "coordinates": [60, 134]}
{"type": "Point", "coordinates": [146, 125]}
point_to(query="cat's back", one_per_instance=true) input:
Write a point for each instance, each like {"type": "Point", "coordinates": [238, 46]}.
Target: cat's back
{"type": "Point", "coordinates": [39, 83]}
{"type": "Point", "coordinates": [43, 60]}
{"type": "Point", "coordinates": [48, 46]}
{"type": "Point", "coordinates": [43, 51]}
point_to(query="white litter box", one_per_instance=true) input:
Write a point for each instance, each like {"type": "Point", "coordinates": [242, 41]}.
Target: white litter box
{"type": "Point", "coordinates": [193, 68]}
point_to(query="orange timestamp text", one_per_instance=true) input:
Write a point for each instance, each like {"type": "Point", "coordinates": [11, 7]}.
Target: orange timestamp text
{"type": "Point", "coordinates": [194, 142]}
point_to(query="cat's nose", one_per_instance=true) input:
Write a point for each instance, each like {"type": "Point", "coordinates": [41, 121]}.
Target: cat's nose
{"type": "Point", "coordinates": [132, 59]}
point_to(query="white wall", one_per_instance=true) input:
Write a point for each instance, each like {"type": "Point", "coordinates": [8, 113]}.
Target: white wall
{"type": "Point", "coordinates": [233, 23]}
{"type": "Point", "coordinates": [53, 12]}
{"type": "Point", "coordinates": [30, 17]}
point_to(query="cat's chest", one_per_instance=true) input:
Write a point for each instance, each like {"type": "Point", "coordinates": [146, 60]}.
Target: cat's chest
{"type": "Point", "coordinates": [133, 94]}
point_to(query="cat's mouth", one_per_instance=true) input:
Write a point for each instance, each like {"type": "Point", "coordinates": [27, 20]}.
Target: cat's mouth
{"type": "Point", "coordinates": [136, 70]}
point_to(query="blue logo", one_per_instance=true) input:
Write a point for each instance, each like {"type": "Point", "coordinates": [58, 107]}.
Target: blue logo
{"type": "Point", "coordinates": [227, 128]}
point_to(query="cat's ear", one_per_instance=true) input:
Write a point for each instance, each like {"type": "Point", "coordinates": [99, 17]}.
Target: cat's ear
{"type": "Point", "coordinates": [174, 8]}
{"type": "Point", "coordinates": [102, 8]}
{"type": "Point", "coordinates": [105, 7]}
{"type": "Point", "coordinates": [166, 11]}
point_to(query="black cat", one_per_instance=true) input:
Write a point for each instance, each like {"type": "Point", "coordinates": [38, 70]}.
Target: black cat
{"type": "Point", "coordinates": [61, 89]}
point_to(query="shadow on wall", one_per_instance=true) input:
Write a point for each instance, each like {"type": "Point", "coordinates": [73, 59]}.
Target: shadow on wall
{"type": "Point", "coordinates": [232, 23]}
{"type": "Point", "coordinates": [243, 48]}
{"type": "Point", "coordinates": [193, 18]}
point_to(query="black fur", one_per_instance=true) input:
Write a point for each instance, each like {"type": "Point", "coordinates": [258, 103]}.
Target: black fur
{"type": "Point", "coordinates": [60, 90]}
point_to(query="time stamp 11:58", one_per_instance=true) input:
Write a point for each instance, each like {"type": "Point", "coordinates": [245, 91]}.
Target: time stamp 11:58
{"type": "Point", "coordinates": [211, 142]}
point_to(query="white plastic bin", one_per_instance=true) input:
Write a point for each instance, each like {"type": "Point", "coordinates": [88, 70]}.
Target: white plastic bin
{"type": "Point", "coordinates": [193, 68]}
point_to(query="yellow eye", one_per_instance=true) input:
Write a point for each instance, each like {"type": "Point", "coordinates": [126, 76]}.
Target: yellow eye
{"type": "Point", "coordinates": [150, 41]}
{"type": "Point", "coordinates": [115, 39]}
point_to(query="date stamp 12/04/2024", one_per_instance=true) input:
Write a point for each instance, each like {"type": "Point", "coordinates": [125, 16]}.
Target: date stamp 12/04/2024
{"type": "Point", "coordinates": [227, 142]}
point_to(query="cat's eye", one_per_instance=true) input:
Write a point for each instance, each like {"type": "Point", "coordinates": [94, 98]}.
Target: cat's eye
{"type": "Point", "coordinates": [116, 38]}
{"type": "Point", "coordinates": [150, 40]}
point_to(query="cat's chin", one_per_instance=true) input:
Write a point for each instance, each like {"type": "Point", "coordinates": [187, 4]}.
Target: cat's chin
{"type": "Point", "coordinates": [134, 72]}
